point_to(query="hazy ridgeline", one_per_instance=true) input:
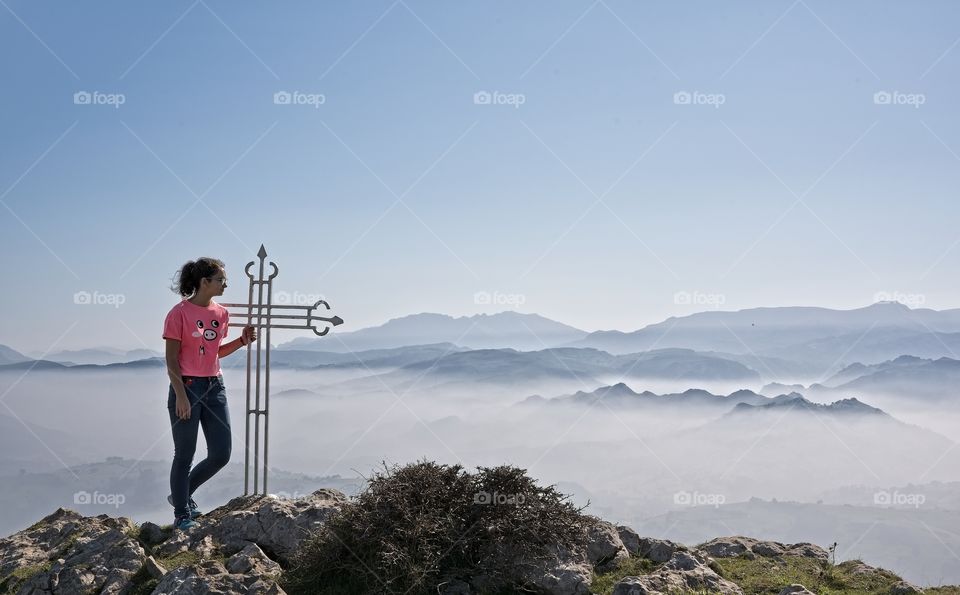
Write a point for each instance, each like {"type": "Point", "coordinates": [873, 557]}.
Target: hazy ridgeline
{"type": "Point", "coordinates": [678, 443]}
{"type": "Point", "coordinates": [640, 459]}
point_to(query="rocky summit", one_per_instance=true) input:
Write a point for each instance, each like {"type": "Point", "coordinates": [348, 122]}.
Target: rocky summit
{"type": "Point", "coordinates": [246, 545]}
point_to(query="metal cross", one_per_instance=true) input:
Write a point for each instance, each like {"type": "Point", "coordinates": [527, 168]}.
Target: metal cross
{"type": "Point", "coordinates": [261, 315]}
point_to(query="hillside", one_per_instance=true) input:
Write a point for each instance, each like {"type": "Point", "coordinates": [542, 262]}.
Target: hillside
{"type": "Point", "coordinates": [264, 544]}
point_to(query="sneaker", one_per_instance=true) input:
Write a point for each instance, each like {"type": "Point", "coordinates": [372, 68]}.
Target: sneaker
{"type": "Point", "coordinates": [183, 522]}
{"type": "Point", "coordinates": [191, 505]}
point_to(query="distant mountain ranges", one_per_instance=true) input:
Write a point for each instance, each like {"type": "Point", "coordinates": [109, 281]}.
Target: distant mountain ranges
{"type": "Point", "coordinates": [621, 396]}
{"type": "Point", "coordinates": [782, 343]}
{"type": "Point", "coordinates": [99, 356]}
{"type": "Point", "coordinates": [501, 365]}
{"type": "Point", "coordinates": [928, 379]}
{"type": "Point", "coordinates": [738, 403]}
{"type": "Point", "coordinates": [820, 336]}
{"type": "Point", "coordinates": [769, 337]}
{"type": "Point", "coordinates": [524, 332]}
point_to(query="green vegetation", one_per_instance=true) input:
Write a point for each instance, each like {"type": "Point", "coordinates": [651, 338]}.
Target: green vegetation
{"type": "Point", "coordinates": [11, 583]}
{"type": "Point", "coordinates": [142, 582]}
{"type": "Point", "coordinates": [769, 575]}
{"type": "Point", "coordinates": [423, 524]}
{"type": "Point", "coordinates": [634, 566]}
{"type": "Point", "coordinates": [179, 559]}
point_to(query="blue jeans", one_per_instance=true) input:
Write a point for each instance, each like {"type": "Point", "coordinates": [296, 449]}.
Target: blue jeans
{"type": "Point", "coordinates": [208, 409]}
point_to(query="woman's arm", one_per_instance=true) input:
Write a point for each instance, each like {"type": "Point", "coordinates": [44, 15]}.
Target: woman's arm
{"type": "Point", "coordinates": [173, 368]}
{"type": "Point", "coordinates": [247, 336]}
{"type": "Point", "coordinates": [228, 348]}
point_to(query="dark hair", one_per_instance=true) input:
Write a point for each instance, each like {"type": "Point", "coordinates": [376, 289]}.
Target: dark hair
{"type": "Point", "coordinates": [187, 279]}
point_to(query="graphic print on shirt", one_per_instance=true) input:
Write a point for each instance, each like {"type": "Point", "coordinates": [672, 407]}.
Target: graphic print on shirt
{"type": "Point", "coordinates": [210, 334]}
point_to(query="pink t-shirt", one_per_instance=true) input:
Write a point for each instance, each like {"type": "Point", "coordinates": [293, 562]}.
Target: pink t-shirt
{"type": "Point", "coordinates": [200, 331]}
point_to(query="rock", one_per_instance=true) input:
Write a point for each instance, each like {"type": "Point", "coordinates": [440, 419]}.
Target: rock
{"type": "Point", "coordinates": [252, 560]}
{"type": "Point", "coordinates": [858, 567]}
{"type": "Point", "coordinates": [154, 568]}
{"type": "Point", "coordinates": [212, 577]}
{"type": "Point", "coordinates": [796, 589]}
{"type": "Point", "coordinates": [40, 541]}
{"type": "Point", "coordinates": [605, 550]}
{"type": "Point", "coordinates": [688, 561]}
{"type": "Point", "coordinates": [570, 571]}
{"type": "Point", "coordinates": [903, 588]}
{"type": "Point", "coordinates": [243, 546]}
{"type": "Point", "coordinates": [560, 570]}
{"type": "Point", "coordinates": [655, 550]}
{"type": "Point", "coordinates": [178, 542]}
{"type": "Point", "coordinates": [732, 547]}
{"type": "Point", "coordinates": [205, 548]}
{"type": "Point", "coordinates": [727, 547]}
{"type": "Point", "coordinates": [629, 538]}
{"type": "Point", "coordinates": [768, 549]}
{"type": "Point", "coordinates": [684, 572]}
{"type": "Point", "coordinates": [807, 550]}
{"type": "Point", "coordinates": [151, 533]}
{"type": "Point", "coordinates": [67, 552]}
{"type": "Point", "coordinates": [276, 525]}
{"type": "Point", "coordinates": [658, 550]}
{"type": "Point", "coordinates": [565, 572]}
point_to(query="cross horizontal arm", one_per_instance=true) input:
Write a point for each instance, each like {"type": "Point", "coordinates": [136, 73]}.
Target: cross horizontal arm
{"type": "Point", "coordinates": [313, 328]}
{"type": "Point", "coordinates": [270, 317]}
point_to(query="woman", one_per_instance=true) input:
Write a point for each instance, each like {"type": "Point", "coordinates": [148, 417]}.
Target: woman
{"type": "Point", "coordinates": [194, 330]}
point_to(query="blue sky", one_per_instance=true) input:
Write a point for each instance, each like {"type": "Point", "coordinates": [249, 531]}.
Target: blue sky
{"type": "Point", "coordinates": [587, 190]}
